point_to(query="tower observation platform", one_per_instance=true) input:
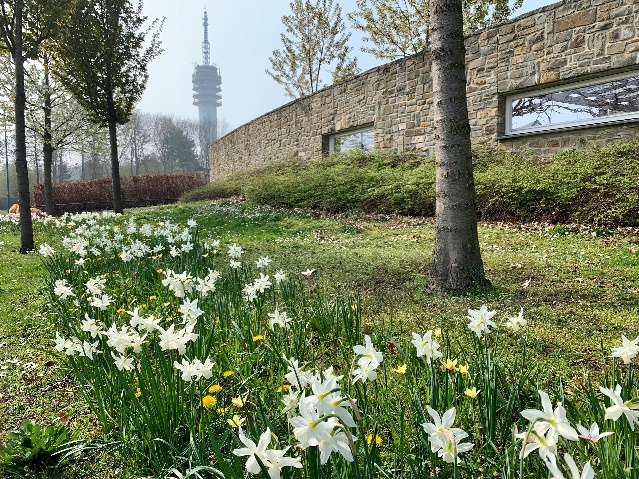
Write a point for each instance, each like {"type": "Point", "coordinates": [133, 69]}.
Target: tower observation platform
{"type": "Point", "coordinates": [207, 89]}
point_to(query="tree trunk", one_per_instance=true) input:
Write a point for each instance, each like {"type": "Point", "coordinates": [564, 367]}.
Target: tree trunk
{"type": "Point", "coordinates": [456, 265]}
{"type": "Point", "coordinates": [47, 149]}
{"type": "Point", "coordinates": [22, 171]}
{"type": "Point", "coordinates": [115, 168]}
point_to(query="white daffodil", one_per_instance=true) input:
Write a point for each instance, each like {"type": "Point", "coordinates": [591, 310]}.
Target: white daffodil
{"type": "Point", "coordinates": [516, 322]}
{"type": "Point", "coordinates": [445, 439]}
{"type": "Point", "coordinates": [555, 472]}
{"type": "Point", "coordinates": [627, 351]}
{"type": "Point", "coordinates": [533, 441]}
{"type": "Point", "coordinates": [592, 435]}
{"type": "Point", "coordinates": [554, 422]}
{"type": "Point", "coordinates": [46, 250]}
{"type": "Point", "coordinates": [62, 289]}
{"type": "Point", "coordinates": [426, 346]}
{"type": "Point", "coordinates": [273, 459]}
{"type": "Point", "coordinates": [339, 442]}
{"type": "Point", "coordinates": [122, 362]}
{"type": "Point", "coordinates": [263, 262]}
{"type": "Point", "coordinates": [368, 354]}
{"type": "Point", "coordinates": [279, 276]}
{"type": "Point", "coordinates": [235, 251]}
{"type": "Point", "coordinates": [627, 408]}
{"type": "Point", "coordinates": [480, 320]}
{"type": "Point", "coordinates": [279, 319]}
{"type": "Point", "coordinates": [309, 427]}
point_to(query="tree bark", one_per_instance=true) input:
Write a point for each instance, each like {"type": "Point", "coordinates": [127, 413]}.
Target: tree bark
{"type": "Point", "coordinates": [47, 149]}
{"type": "Point", "coordinates": [456, 264]}
{"type": "Point", "coordinates": [115, 168]}
{"type": "Point", "coordinates": [22, 171]}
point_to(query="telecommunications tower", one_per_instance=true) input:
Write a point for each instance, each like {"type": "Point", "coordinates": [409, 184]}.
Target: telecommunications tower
{"type": "Point", "coordinates": [206, 92]}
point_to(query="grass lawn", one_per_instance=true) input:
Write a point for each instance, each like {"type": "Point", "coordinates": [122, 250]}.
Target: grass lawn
{"type": "Point", "coordinates": [579, 288]}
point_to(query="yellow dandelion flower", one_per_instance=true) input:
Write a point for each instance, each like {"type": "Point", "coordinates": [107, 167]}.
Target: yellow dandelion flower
{"type": "Point", "coordinates": [450, 364]}
{"type": "Point", "coordinates": [283, 387]}
{"type": "Point", "coordinates": [378, 440]}
{"type": "Point", "coordinates": [236, 421]}
{"type": "Point", "coordinates": [228, 373]}
{"type": "Point", "coordinates": [152, 297]}
{"type": "Point", "coordinates": [222, 410]}
{"type": "Point", "coordinates": [138, 393]}
{"type": "Point", "coordinates": [215, 388]}
{"type": "Point", "coordinates": [143, 305]}
{"type": "Point", "coordinates": [120, 311]}
{"type": "Point", "coordinates": [401, 369]}
{"type": "Point", "coordinates": [472, 393]}
{"type": "Point", "coordinates": [209, 401]}
{"type": "Point", "coordinates": [463, 369]}
{"type": "Point", "coordinates": [258, 337]}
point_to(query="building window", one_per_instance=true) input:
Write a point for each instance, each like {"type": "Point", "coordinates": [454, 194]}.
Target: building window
{"type": "Point", "coordinates": [604, 100]}
{"type": "Point", "coordinates": [363, 139]}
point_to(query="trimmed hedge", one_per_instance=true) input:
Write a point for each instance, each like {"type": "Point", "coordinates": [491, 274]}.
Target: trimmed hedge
{"type": "Point", "coordinates": [142, 190]}
{"type": "Point", "coordinates": [595, 186]}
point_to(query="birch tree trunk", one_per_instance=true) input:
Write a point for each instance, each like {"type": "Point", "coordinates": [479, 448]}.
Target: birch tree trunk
{"type": "Point", "coordinates": [456, 264]}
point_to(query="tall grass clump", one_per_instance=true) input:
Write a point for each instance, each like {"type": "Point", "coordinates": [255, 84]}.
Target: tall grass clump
{"type": "Point", "coordinates": [200, 360]}
{"type": "Point", "coordinates": [592, 185]}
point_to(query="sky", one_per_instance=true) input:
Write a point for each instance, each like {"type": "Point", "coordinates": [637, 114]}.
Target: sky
{"type": "Point", "coordinates": [243, 35]}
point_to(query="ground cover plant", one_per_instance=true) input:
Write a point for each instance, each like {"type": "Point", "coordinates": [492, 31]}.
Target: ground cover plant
{"type": "Point", "coordinates": [170, 407]}
{"type": "Point", "coordinates": [595, 185]}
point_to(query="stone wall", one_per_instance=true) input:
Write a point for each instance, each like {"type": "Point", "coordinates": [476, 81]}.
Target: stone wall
{"type": "Point", "coordinates": [559, 43]}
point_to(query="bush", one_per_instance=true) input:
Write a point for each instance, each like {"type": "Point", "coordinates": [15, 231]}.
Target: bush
{"type": "Point", "coordinates": [598, 186]}
{"type": "Point", "coordinates": [142, 190]}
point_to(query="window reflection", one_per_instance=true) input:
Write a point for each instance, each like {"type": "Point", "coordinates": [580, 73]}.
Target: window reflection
{"type": "Point", "coordinates": [581, 104]}
{"type": "Point", "coordinates": [361, 139]}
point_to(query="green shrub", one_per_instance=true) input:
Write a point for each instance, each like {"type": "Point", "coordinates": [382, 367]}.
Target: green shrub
{"type": "Point", "coordinates": [598, 186]}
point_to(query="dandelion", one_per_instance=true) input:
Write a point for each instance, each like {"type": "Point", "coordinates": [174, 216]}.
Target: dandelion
{"type": "Point", "coordinates": [138, 393]}
{"type": "Point", "coordinates": [215, 388]}
{"type": "Point", "coordinates": [258, 337]}
{"type": "Point", "coordinates": [378, 440]}
{"type": "Point", "coordinates": [226, 374]}
{"type": "Point", "coordinates": [283, 388]}
{"type": "Point", "coordinates": [209, 402]}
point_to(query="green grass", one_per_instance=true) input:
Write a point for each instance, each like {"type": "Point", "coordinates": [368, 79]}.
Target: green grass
{"type": "Point", "coordinates": [594, 186]}
{"type": "Point", "coordinates": [578, 288]}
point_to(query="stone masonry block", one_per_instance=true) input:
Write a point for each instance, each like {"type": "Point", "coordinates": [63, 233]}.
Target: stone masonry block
{"type": "Point", "coordinates": [577, 19]}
